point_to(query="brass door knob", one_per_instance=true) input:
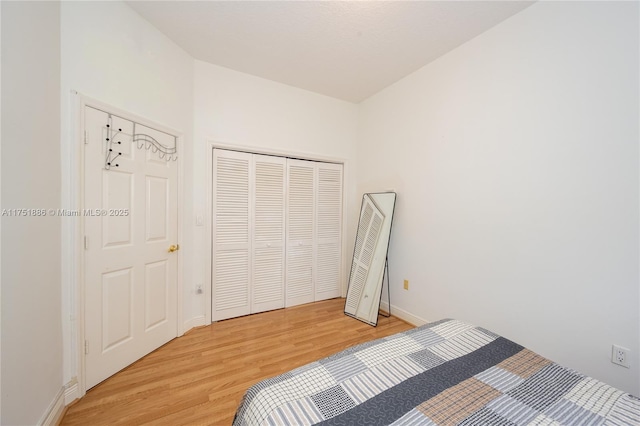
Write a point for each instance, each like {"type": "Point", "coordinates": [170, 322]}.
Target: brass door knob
{"type": "Point", "coordinates": [174, 247]}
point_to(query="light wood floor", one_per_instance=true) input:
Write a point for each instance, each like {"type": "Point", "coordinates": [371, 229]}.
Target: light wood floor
{"type": "Point", "coordinates": [199, 378]}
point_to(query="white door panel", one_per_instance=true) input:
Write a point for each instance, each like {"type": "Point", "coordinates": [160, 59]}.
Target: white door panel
{"type": "Point", "coordinates": [231, 261]}
{"type": "Point", "coordinates": [328, 231]}
{"type": "Point", "coordinates": [268, 232]}
{"type": "Point", "coordinates": [117, 193]}
{"type": "Point", "coordinates": [314, 231]}
{"type": "Point", "coordinates": [130, 277]}
{"type": "Point", "coordinates": [248, 224]}
{"type": "Point", "coordinates": [156, 287]}
{"type": "Point", "coordinates": [300, 231]}
{"type": "Point", "coordinates": [117, 295]}
{"type": "Point", "coordinates": [156, 198]}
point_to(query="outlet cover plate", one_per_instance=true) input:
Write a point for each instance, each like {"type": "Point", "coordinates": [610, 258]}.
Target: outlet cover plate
{"type": "Point", "coordinates": [620, 356]}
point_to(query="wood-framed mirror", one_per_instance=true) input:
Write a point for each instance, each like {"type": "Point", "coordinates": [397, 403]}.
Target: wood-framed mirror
{"type": "Point", "coordinates": [370, 256]}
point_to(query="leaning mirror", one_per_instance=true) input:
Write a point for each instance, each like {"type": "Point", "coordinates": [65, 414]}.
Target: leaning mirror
{"type": "Point", "coordinates": [370, 257]}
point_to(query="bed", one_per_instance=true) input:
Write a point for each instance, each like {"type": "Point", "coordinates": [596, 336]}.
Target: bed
{"type": "Point", "coordinates": [443, 373]}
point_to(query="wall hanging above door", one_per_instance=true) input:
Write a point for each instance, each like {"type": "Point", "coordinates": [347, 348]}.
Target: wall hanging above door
{"type": "Point", "coordinates": [369, 265]}
{"type": "Point", "coordinates": [119, 131]}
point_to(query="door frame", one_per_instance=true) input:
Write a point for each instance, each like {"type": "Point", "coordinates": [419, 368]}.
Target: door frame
{"type": "Point", "coordinates": [75, 248]}
{"type": "Point", "coordinates": [209, 146]}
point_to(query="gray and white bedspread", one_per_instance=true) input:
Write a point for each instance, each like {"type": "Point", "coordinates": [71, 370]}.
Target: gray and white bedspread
{"type": "Point", "coordinates": [443, 373]}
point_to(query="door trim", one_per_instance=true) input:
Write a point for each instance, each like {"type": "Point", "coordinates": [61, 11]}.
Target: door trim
{"type": "Point", "coordinates": [209, 146]}
{"type": "Point", "coordinates": [73, 250]}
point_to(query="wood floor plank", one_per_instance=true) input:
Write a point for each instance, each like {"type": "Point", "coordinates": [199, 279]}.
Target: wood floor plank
{"type": "Point", "coordinates": [200, 378]}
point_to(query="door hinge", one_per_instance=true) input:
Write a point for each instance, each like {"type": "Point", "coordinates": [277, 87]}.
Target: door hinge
{"type": "Point", "coordinates": [86, 139]}
{"type": "Point", "coordinates": [86, 242]}
{"type": "Point", "coordinates": [86, 347]}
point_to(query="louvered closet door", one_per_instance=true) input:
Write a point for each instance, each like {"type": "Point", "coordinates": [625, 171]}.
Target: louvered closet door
{"type": "Point", "coordinates": [328, 248]}
{"type": "Point", "coordinates": [369, 227]}
{"type": "Point", "coordinates": [300, 232]}
{"type": "Point", "coordinates": [268, 233]}
{"type": "Point", "coordinates": [231, 261]}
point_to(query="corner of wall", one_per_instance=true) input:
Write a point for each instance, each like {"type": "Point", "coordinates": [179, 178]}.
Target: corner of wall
{"type": "Point", "coordinates": [404, 315]}
{"type": "Point", "coordinates": [194, 322]}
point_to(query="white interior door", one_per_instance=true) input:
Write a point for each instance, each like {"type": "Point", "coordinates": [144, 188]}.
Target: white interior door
{"type": "Point", "coordinates": [130, 221]}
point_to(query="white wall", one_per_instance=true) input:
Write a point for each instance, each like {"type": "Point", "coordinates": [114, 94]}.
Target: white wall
{"type": "Point", "coordinates": [31, 309]}
{"type": "Point", "coordinates": [236, 109]}
{"type": "Point", "coordinates": [515, 158]}
{"type": "Point", "coordinates": [111, 54]}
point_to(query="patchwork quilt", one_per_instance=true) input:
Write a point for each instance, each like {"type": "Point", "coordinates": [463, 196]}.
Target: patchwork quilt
{"type": "Point", "coordinates": [443, 373]}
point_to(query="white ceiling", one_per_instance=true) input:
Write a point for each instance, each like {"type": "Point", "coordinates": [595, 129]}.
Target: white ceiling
{"type": "Point", "coordinates": [344, 49]}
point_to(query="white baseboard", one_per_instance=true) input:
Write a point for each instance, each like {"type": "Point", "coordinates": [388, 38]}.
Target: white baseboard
{"type": "Point", "coordinates": [71, 392]}
{"type": "Point", "coordinates": [403, 315]}
{"type": "Point", "coordinates": [194, 322]}
{"type": "Point", "coordinates": [54, 413]}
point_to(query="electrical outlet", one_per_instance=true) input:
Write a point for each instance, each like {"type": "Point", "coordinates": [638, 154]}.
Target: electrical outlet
{"type": "Point", "coordinates": [406, 284]}
{"type": "Point", "coordinates": [620, 356]}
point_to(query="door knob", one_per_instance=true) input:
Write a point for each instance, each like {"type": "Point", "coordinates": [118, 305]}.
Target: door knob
{"type": "Point", "coordinates": [173, 248]}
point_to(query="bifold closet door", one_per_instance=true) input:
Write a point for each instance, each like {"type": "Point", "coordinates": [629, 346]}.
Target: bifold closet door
{"type": "Point", "coordinates": [248, 233]}
{"type": "Point", "coordinates": [300, 231]}
{"type": "Point", "coordinates": [314, 231]}
{"type": "Point", "coordinates": [268, 255]}
{"type": "Point", "coordinates": [328, 247]}
{"type": "Point", "coordinates": [277, 232]}
{"type": "Point", "coordinates": [231, 263]}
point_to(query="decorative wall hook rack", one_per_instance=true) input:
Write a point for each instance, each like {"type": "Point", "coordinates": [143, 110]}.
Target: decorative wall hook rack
{"type": "Point", "coordinates": [111, 155]}
{"type": "Point", "coordinates": [141, 140]}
